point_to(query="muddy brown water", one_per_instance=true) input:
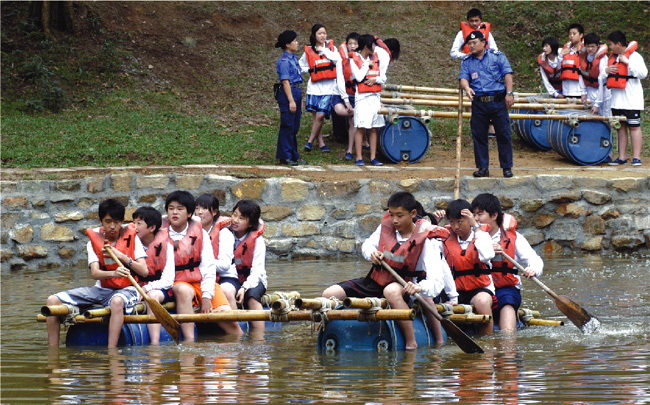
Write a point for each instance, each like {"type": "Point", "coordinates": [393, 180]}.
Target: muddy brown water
{"type": "Point", "coordinates": [536, 365]}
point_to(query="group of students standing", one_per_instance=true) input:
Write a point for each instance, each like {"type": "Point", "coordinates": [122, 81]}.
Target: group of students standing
{"type": "Point", "coordinates": [347, 80]}
{"type": "Point", "coordinates": [583, 69]}
{"type": "Point", "coordinates": [193, 256]}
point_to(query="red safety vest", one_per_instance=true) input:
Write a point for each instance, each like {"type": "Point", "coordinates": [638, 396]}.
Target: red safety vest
{"type": "Point", "coordinates": [373, 71]}
{"type": "Point", "coordinates": [125, 244]}
{"type": "Point", "coordinates": [156, 256]}
{"type": "Point", "coordinates": [187, 253]}
{"type": "Point", "coordinates": [320, 67]}
{"type": "Point", "coordinates": [503, 272]}
{"type": "Point", "coordinates": [244, 253]}
{"type": "Point", "coordinates": [552, 74]}
{"type": "Point", "coordinates": [591, 70]}
{"type": "Point", "coordinates": [468, 270]}
{"type": "Point", "coordinates": [221, 223]}
{"type": "Point", "coordinates": [383, 45]}
{"type": "Point", "coordinates": [403, 258]}
{"type": "Point", "coordinates": [571, 63]}
{"type": "Point", "coordinates": [347, 71]}
{"type": "Point", "coordinates": [467, 29]}
{"type": "Point", "coordinates": [618, 80]}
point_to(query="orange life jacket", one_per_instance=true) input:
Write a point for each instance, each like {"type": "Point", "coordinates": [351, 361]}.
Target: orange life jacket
{"type": "Point", "coordinates": [383, 45]}
{"type": "Point", "coordinates": [403, 258]}
{"type": "Point", "coordinates": [320, 67]}
{"type": "Point", "coordinates": [503, 272]}
{"type": "Point", "coordinates": [243, 256]}
{"type": "Point", "coordinates": [221, 223]}
{"type": "Point", "coordinates": [591, 70]}
{"type": "Point", "coordinates": [618, 80]}
{"type": "Point", "coordinates": [156, 256]}
{"type": "Point", "coordinates": [552, 74]}
{"type": "Point", "coordinates": [347, 70]}
{"type": "Point", "coordinates": [187, 253]}
{"type": "Point", "coordinates": [468, 270]}
{"type": "Point", "coordinates": [373, 71]}
{"type": "Point", "coordinates": [467, 29]}
{"type": "Point", "coordinates": [571, 63]}
{"type": "Point", "coordinates": [125, 244]}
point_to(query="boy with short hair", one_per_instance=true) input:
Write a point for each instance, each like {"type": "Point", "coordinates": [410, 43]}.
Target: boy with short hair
{"type": "Point", "coordinates": [592, 62]}
{"type": "Point", "coordinates": [407, 246]}
{"type": "Point", "coordinates": [570, 55]}
{"type": "Point", "coordinates": [507, 282]}
{"type": "Point", "coordinates": [112, 289]}
{"type": "Point", "coordinates": [468, 251]}
{"type": "Point", "coordinates": [459, 49]}
{"type": "Point", "coordinates": [624, 72]}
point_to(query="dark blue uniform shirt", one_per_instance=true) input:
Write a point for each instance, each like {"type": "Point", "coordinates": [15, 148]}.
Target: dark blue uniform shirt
{"type": "Point", "coordinates": [288, 68]}
{"type": "Point", "coordinates": [485, 75]}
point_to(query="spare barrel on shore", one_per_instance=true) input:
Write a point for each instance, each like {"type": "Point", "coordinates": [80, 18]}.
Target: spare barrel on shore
{"type": "Point", "coordinates": [583, 142]}
{"type": "Point", "coordinates": [406, 140]}
{"type": "Point", "coordinates": [533, 131]}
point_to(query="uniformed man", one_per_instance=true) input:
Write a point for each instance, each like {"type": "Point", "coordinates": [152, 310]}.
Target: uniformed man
{"type": "Point", "coordinates": [486, 77]}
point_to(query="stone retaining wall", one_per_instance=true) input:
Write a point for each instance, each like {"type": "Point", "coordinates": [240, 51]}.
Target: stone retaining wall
{"type": "Point", "coordinates": [43, 221]}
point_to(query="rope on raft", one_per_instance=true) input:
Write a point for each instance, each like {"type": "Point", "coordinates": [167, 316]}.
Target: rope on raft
{"type": "Point", "coordinates": [527, 315]}
{"type": "Point", "coordinates": [370, 313]}
{"type": "Point", "coordinates": [70, 318]}
{"type": "Point", "coordinates": [320, 315]}
{"type": "Point", "coordinates": [448, 309]}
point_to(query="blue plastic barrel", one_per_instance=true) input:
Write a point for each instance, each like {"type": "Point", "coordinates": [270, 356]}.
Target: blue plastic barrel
{"type": "Point", "coordinates": [584, 143]}
{"type": "Point", "coordinates": [405, 141]}
{"type": "Point", "coordinates": [96, 334]}
{"type": "Point", "coordinates": [533, 131]}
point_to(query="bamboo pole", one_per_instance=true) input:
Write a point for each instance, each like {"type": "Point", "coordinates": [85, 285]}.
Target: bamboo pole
{"type": "Point", "coordinates": [57, 310]}
{"type": "Point", "coordinates": [363, 303]}
{"type": "Point", "coordinates": [470, 318]}
{"type": "Point", "coordinates": [140, 307]}
{"type": "Point", "coordinates": [514, 116]}
{"type": "Point", "coordinates": [461, 309]}
{"type": "Point", "coordinates": [386, 94]}
{"type": "Point", "coordinates": [437, 103]}
{"type": "Point", "coordinates": [77, 318]}
{"type": "Point", "coordinates": [306, 303]}
{"type": "Point", "coordinates": [400, 87]}
{"type": "Point", "coordinates": [269, 299]}
{"type": "Point", "coordinates": [544, 322]}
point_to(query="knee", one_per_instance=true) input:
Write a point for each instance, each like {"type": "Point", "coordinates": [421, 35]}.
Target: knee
{"type": "Point", "coordinates": [117, 304]}
{"type": "Point", "coordinates": [53, 300]}
{"type": "Point", "coordinates": [393, 291]}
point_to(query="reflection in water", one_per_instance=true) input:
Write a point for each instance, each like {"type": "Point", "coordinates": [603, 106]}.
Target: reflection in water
{"type": "Point", "coordinates": [535, 365]}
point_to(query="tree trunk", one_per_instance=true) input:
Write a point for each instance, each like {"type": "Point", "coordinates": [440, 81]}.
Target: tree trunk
{"type": "Point", "coordinates": [53, 15]}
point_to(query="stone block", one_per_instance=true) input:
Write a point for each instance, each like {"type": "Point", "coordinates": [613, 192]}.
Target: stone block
{"type": "Point", "coordinates": [445, 184]}
{"type": "Point", "coordinates": [341, 214]}
{"type": "Point", "coordinates": [121, 182]}
{"type": "Point", "coordinates": [251, 189]}
{"type": "Point", "coordinates": [590, 183]}
{"type": "Point", "coordinates": [342, 230]}
{"type": "Point", "coordinates": [9, 219]}
{"type": "Point", "coordinates": [303, 229]}
{"type": "Point", "coordinates": [610, 213]}
{"type": "Point", "coordinates": [380, 187]}
{"type": "Point", "coordinates": [16, 202]}
{"type": "Point", "coordinates": [66, 252]}
{"type": "Point", "coordinates": [56, 233]}
{"type": "Point", "coordinates": [275, 212]}
{"type": "Point", "coordinates": [147, 198]}
{"type": "Point", "coordinates": [542, 221]}
{"type": "Point", "coordinates": [518, 182]}
{"type": "Point", "coordinates": [68, 216]}
{"type": "Point", "coordinates": [39, 202]}
{"type": "Point", "coordinates": [311, 212]}
{"type": "Point", "coordinates": [280, 246]}
{"type": "Point", "coordinates": [155, 181]}
{"type": "Point", "coordinates": [338, 188]}
{"type": "Point", "coordinates": [566, 197]}
{"type": "Point", "coordinates": [626, 184]}
{"type": "Point", "coordinates": [124, 199]}
{"type": "Point", "coordinates": [271, 230]}
{"type": "Point", "coordinates": [442, 204]}
{"type": "Point", "coordinates": [85, 202]}
{"type": "Point", "coordinates": [592, 244]}
{"type": "Point", "coordinates": [128, 213]}
{"type": "Point", "coordinates": [22, 233]}
{"type": "Point", "coordinates": [531, 205]}
{"type": "Point", "coordinates": [347, 246]}
{"type": "Point", "coordinates": [8, 187]}
{"type": "Point", "coordinates": [39, 215]}
{"type": "Point", "coordinates": [596, 197]}
{"type": "Point", "coordinates": [646, 236]}
{"type": "Point", "coordinates": [92, 215]}
{"type": "Point", "coordinates": [506, 202]}
{"type": "Point", "coordinates": [570, 210]}
{"type": "Point", "coordinates": [363, 209]}
{"type": "Point", "coordinates": [6, 254]}
{"type": "Point", "coordinates": [35, 187]}
{"type": "Point", "coordinates": [550, 182]}
{"type": "Point", "coordinates": [564, 231]}
{"type": "Point", "coordinates": [594, 225]}
{"type": "Point", "coordinates": [410, 185]}
{"type": "Point", "coordinates": [534, 237]}
{"type": "Point", "coordinates": [189, 181]}
{"type": "Point", "coordinates": [68, 185]}
{"type": "Point", "coordinates": [642, 221]}
{"type": "Point", "coordinates": [627, 241]}
{"type": "Point", "coordinates": [29, 252]}
{"type": "Point", "coordinates": [62, 198]}
{"type": "Point", "coordinates": [369, 224]}
{"type": "Point", "coordinates": [95, 185]}
{"type": "Point", "coordinates": [552, 246]}
{"type": "Point", "coordinates": [480, 185]}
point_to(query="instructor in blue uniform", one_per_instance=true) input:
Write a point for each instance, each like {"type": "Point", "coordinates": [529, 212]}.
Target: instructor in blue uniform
{"type": "Point", "coordinates": [486, 77]}
{"type": "Point", "coordinates": [289, 98]}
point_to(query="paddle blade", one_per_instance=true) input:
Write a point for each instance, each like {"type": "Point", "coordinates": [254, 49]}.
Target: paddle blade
{"type": "Point", "coordinates": [166, 320]}
{"type": "Point", "coordinates": [463, 341]}
{"type": "Point", "coordinates": [576, 314]}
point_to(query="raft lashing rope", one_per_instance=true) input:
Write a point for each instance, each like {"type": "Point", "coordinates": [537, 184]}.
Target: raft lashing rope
{"type": "Point", "coordinates": [562, 125]}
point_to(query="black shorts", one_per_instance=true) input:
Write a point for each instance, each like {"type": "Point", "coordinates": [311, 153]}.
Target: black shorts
{"type": "Point", "coordinates": [465, 297]}
{"type": "Point", "coordinates": [633, 116]}
{"type": "Point", "coordinates": [256, 293]}
{"type": "Point", "coordinates": [362, 288]}
{"type": "Point", "coordinates": [234, 281]}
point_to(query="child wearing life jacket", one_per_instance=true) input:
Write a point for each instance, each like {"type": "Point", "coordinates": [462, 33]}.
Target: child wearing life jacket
{"type": "Point", "coordinates": [505, 276]}
{"type": "Point", "coordinates": [550, 67]}
{"type": "Point", "coordinates": [572, 84]}
{"type": "Point", "coordinates": [147, 222]}
{"type": "Point", "coordinates": [343, 102]}
{"type": "Point", "coordinates": [367, 72]}
{"type": "Point", "coordinates": [468, 251]}
{"type": "Point", "coordinates": [319, 60]}
{"type": "Point", "coordinates": [592, 62]}
{"type": "Point", "coordinates": [249, 256]}
{"type": "Point", "coordinates": [459, 49]}
{"type": "Point", "coordinates": [407, 246]}
{"type": "Point", "coordinates": [625, 70]}
{"type": "Point", "coordinates": [194, 261]}
{"type": "Point", "coordinates": [113, 288]}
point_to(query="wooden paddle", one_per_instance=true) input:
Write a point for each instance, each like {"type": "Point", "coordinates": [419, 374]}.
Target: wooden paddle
{"type": "Point", "coordinates": [166, 320]}
{"type": "Point", "coordinates": [576, 314]}
{"type": "Point", "coordinates": [463, 341]}
{"type": "Point", "coordinates": [458, 141]}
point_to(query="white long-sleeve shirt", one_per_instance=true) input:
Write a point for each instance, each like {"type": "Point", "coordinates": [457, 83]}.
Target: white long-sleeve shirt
{"type": "Point", "coordinates": [359, 74]}
{"type": "Point", "coordinates": [601, 94]}
{"type": "Point", "coordinates": [524, 254]}
{"type": "Point", "coordinates": [384, 61]}
{"type": "Point", "coordinates": [430, 261]}
{"type": "Point", "coordinates": [166, 280]}
{"type": "Point", "coordinates": [547, 84]}
{"type": "Point", "coordinates": [483, 245]}
{"type": "Point", "coordinates": [456, 51]}
{"type": "Point", "coordinates": [340, 81]}
{"type": "Point", "coordinates": [322, 87]}
{"type": "Point", "coordinates": [208, 262]}
{"type": "Point", "coordinates": [631, 97]}
{"type": "Point", "coordinates": [258, 267]}
{"type": "Point", "coordinates": [226, 253]}
{"type": "Point", "coordinates": [447, 277]}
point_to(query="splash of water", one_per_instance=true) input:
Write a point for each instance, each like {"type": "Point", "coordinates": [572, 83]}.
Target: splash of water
{"type": "Point", "coordinates": [591, 326]}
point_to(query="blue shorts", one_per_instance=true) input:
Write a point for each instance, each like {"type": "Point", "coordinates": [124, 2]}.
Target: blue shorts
{"type": "Point", "coordinates": [338, 100]}
{"type": "Point", "coordinates": [234, 281]}
{"type": "Point", "coordinates": [508, 296]}
{"type": "Point", "coordinates": [319, 104]}
{"type": "Point", "coordinates": [255, 293]}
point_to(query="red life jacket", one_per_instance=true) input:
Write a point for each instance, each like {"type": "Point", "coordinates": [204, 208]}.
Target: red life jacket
{"type": "Point", "coordinates": [468, 270]}
{"type": "Point", "coordinates": [221, 223]}
{"type": "Point", "coordinates": [503, 272]}
{"type": "Point", "coordinates": [571, 63]}
{"type": "Point", "coordinates": [373, 71]}
{"type": "Point", "coordinates": [125, 244]}
{"type": "Point", "coordinates": [591, 70]}
{"type": "Point", "coordinates": [187, 253]}
{"type": "Point", "coordinates": [467, 29]}
{"type": "Point", "coordinates": [156, 256]}
{"type": "Point", "coordinates": [244, 253]}
{"type": "Point", "coordinates": [347, 70]}
{"type": "Point", "coordinates": [552, 74]}
{"type": "Point", "coordinates": [618, 80]}
{"type": "Point", "coordinates": [403, 258]}
{"type": "Point", "coordinates": [320, 67]}
{"type": "Point", "coordinates": [383, 45]}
